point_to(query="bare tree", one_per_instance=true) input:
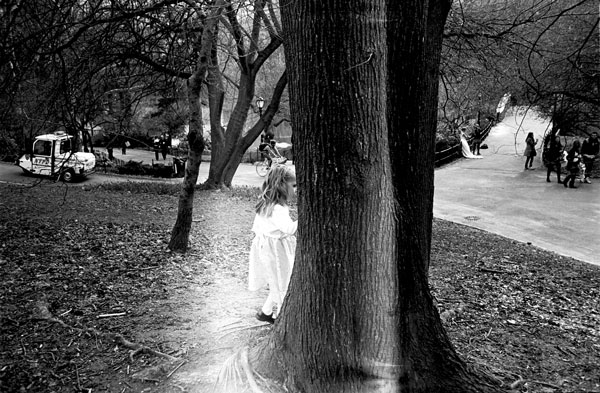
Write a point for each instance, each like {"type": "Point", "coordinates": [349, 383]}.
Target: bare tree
{"type": "Point", "coordinates": [183, 224]}
{"type": "Point", "coordinates": [541, 51]}
{"type": "Point", "coordinates": [248, 27]}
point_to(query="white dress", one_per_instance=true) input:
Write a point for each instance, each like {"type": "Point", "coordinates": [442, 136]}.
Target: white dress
{"type": "Point", "coordinates": [466, 150]}
{"type": "Point", "coordinates": [272, 252]}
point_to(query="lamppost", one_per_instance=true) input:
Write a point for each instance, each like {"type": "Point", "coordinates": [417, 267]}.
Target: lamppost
{"type": "Point", "coordinates": [479, 109]}
{"type": "Point", "coordinates": [260, 103]}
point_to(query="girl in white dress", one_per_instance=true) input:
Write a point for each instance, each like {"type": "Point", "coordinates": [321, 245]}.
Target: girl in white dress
{"type": "Point", "coordinates": [274, 246]}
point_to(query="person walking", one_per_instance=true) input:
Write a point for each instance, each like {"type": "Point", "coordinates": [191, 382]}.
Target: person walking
{"type": "Point", "coordinates": [589, 150]}
{"type": "Point", "coordinates": [552, 157]}
{"type": "Point", "coordinates": [477, 139]}
{"type": "Point", "coordinates": [274, 245]}
{"type": "Point", "coordinates": [573, 158]}
{"type": "Point", "coordinates": [164, 146]}
{"type": "Point", "coordinates": [530, 150]}
{"type": "Point", "coordinates": [156, 147]}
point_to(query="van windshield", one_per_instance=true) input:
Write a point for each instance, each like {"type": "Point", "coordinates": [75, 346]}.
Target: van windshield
{"type": "Point", "coordinates": [42, 148]}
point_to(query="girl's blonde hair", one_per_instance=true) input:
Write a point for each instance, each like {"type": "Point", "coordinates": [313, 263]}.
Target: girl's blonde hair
{"type": "Point", "coordinates": [275, 190]}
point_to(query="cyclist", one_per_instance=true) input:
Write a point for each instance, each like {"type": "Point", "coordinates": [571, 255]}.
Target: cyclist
{"type": "Point", "coordinates": [268, 149]}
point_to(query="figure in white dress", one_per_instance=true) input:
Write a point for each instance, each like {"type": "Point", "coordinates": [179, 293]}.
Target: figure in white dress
{"type": "Point", "coordinates": [274, 246]}
{"type": "Point", "coordinates": [466, 149]}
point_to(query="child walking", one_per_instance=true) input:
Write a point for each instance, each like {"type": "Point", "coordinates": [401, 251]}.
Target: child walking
{"type": "Point", "coordinates": [274, 245]}
{"type": "Point", "coordinates": [573, 159]}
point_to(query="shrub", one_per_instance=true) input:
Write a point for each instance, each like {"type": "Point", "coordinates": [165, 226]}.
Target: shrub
{"type": "Point", "coordinates": [9, 150]}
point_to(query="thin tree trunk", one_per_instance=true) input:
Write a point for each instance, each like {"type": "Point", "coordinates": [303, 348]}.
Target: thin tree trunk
{"type": "Point", "coordinates": [216, 96]}
{"type": "Point", "coordinates": [359, 316]}
{"type": "Point", "coordinates": [89, 141]}
{"type": "Point", "coordinates": [181, 230]}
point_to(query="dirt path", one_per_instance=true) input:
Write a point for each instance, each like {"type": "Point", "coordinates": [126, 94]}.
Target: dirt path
{"type": "Point", "coordinates": [218, 305]}
{"type": "Point", "coordinates": [224, 321]}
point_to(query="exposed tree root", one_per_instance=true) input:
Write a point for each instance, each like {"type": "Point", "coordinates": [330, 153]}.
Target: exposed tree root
{"type": "Point", "coordinates": [237, 376]}
{"type": "Point", "coordinates": [237, 329]}
{"type": "Point", "coordinates": [44, 314]}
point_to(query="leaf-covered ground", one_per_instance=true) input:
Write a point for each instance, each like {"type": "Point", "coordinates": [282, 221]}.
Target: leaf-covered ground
{"type": "Point", "coordinates": [526, 317]}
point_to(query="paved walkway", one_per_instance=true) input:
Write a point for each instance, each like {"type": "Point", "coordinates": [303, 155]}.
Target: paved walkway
{"type": "Point", "coordinates": [495, 194]}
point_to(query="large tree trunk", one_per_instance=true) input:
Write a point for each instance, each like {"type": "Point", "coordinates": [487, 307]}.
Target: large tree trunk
{"type": "Point", "coordinates": [229, 149]}
{"type": "Point", "coordinates": [234, 131]}
{"type": "Point", "coordinates": [359, 316]}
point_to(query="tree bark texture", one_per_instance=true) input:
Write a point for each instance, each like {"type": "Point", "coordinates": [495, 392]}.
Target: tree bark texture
{"type": "Point", "coordinates": [359, 316]}
{"type": "Point", "coordinates": [181, 231]}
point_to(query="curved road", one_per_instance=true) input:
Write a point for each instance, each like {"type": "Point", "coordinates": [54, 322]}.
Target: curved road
{"type": "Point", "coordinates": [494, 193]}
{"type": "Point", "coordinates": [497, 195]}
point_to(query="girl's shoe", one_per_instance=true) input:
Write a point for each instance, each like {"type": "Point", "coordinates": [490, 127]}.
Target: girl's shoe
{"type": "Point", "coordinates": [261, 316]}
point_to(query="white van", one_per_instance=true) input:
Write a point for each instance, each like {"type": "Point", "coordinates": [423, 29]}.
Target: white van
{"type": "Point", "coordinates": [51, 156]}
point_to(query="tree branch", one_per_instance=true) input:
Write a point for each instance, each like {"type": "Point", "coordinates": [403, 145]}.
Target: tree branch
{"type": "Point", "coordinates": [264, 54]}
{"type": "Point", "coordinates": [258, 4]}
{"type": "Point", "coordinates": [268, 24]}
{"type": "Point", "coordinates": [274, 19]}
{"type": "Point", "coordinates": [118, 18]}
{"type": "Point", "coordinates": [236, 31]}
{"type": "Point", "coordinates": [156, 66]}
{"type": "Point", "coordinates": [268, 114]}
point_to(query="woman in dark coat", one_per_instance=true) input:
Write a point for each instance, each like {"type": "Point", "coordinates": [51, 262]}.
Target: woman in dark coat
{"type": "Point", "coordinates": [552, 157]}
{"type": "Point", "coordinates": [573, 158]}
{"type": "Point", "coordinates": [529, 150]}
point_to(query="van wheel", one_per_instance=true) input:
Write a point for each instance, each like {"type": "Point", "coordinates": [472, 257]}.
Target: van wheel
{"type": "Point", "coordinates": [68, 176]}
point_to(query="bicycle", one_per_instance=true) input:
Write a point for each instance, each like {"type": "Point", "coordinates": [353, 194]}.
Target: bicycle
{"type": "Point", "coordinates": [262, 167]}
